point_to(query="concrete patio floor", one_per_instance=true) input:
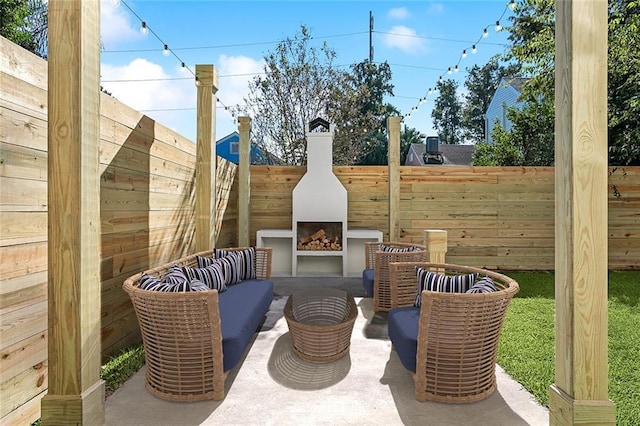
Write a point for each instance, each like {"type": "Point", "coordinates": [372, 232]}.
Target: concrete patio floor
{"type": "Point", "coordinates": [369, 386]}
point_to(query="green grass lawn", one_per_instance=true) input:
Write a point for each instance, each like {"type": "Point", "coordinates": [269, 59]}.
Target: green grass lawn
{"type": "Point", "coordinates": [527, 342]}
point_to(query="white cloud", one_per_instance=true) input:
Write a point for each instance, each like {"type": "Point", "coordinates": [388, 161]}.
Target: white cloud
{"type": "Point", "coordinates": [405, 39]}
{"type": "Point", "coordinates": [144, 85]}
{"type": "Point", "coordinates": [115, 25]}
{"type": "Point", "coordinates": [399, 13]}
{"type": "Point", "coordinates": [435, 8]}
{"type": "Point", "coordinates": [236, 72]}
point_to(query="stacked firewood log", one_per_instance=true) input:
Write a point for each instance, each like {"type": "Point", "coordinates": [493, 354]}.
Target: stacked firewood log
{"type": "Point", "coordinates": [319, 241]}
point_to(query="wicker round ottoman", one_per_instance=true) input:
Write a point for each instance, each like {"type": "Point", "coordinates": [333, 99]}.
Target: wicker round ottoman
{"type": "Point", "coordinates": [321, 322]}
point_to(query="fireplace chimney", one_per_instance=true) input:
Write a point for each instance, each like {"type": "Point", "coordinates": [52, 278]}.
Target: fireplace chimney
{"type": "Point", "coordinates": [319, 205]}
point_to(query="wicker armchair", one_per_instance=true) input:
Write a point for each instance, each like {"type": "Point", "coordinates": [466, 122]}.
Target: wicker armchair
{"type": "Point", "coordinates": [458, 334]}
{"type": "Point", "coordinates": [181, 334]}
{"type": "Point", "coordinates": [378, 261]}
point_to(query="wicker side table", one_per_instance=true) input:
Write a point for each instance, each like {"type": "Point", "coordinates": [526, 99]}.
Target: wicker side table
{"type": "Point", "coordinates": [321, 322]}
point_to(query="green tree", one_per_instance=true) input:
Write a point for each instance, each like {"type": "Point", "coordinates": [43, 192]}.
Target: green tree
{"type": "Point", "coordinates": [524, 145]}
{"type": "Point", "coordinates": [624, 82]}
{"type": "Point", "coordinates": [377, 152]}
{"type": "Point", "coordinates": [297, 81]}
{"type": "Point", "coordinates": [360, 113]}
{"type": "Point", "coordinates": [447, 112]}
{"type": "Point", "coordinates": [533, 44]}
{"type": "Point", "coordinates": [24, 22]}
{"type": "Point", "coordinates": [481, 84]}
{"type": "Point", "coordinates": [501, 152]}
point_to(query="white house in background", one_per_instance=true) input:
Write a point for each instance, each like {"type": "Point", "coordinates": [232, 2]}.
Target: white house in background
{"type": "Point", "coordinates": [507, 95]}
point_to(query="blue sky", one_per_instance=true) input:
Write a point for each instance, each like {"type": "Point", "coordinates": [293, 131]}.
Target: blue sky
{"type": "Point", "coordinates": [420, 40]}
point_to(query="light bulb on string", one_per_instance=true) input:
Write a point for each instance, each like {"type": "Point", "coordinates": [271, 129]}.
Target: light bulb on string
{"type": "Point", "coordinates": [435, 89]}
{"type": "Point", "coordinates": [456, 69]}
{"type": "Point", "coordinates": [474, 50]}
{"type": "Point", "coordinates": [449, 71]}
{"type": "Point", "coordinates": [485, 33]}
{"type": "Point", "coordinates": [512, 4]}
{"type": "Point", "coordinates": [165, 51]}
{"type": "Point", "coordinates": [464, 53]}
{"type": "Point", "coordinates": [498, 26]}
{"type": "Point", "coordinates": [143, 28]}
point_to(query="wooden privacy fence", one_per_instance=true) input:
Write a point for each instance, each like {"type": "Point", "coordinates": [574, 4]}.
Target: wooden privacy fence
{"type": "Point", "coordinates": [496, 217]}
{"type": "Point", "coordinates": [146, 210]}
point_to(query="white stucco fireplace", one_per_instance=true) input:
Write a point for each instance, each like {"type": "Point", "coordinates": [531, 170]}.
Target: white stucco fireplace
{"type": "Point", "coordinates": [319, 242]}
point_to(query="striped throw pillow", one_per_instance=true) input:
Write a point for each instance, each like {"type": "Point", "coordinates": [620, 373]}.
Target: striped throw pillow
{"type": "Point", "coordinates": [432, 281]}
{"type": "Point", "coordinates": [211, 276]}
{"type": "Point", "coordinates": [398, 249]}
{"type": "Point", "coordinates": [174, 281]}
{"type": "Point", "coordinates": [483, 285]}
{"type": "Point", "coordinates": [242, 263]}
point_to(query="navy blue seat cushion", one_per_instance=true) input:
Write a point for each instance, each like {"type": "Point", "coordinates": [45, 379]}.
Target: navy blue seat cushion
{"type": "Point", "coordinates": [242, 309]}
{"type": "Point", "coordinates": [367, 282]}
{"type": "Point", "coordinates": [403, 333]}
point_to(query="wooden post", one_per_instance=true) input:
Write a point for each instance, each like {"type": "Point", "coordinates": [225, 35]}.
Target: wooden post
{"type": "Point", "coordinates": [244, 181]}
{"type": "Point", "coordinates": [579, 394]}
{"type": "Point", "coordinates": [207, 86]}
{"type": "Point", "coordinates": [393, 128]}
{"type": "Point", "coordinates": [76, 393]}
{"type": "Point", "coordinates": [436, 242]}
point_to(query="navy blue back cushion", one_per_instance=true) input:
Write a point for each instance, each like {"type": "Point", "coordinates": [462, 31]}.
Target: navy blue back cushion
{"type": "Point", "coordinates": [242, 309]}
{"type": "Point", "coordinates": [367, 281]}
{"type": "Point", "coordinates": [403, 333]}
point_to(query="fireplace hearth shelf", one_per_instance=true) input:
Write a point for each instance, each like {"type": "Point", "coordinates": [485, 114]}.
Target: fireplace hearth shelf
{"type": "Point", "coordinates": [281, 242]}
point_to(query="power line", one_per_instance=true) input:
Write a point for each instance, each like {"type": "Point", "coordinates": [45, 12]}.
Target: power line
{"type": "Point", "coordinates": [224, 46]}
{"type": "Point", "coordinates": [144, 29]}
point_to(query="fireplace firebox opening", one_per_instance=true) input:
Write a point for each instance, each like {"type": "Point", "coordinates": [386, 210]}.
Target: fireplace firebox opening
{"type": "Point", "coordinates": [319, 236]}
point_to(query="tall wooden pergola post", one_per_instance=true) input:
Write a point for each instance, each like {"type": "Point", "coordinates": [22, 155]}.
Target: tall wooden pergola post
{"type": "Point", "coordinates": [76, 392]}
{"type": "Point", "coordinates": [579, 394]}
{"type": "Point", "coordinates": [393, 129]}
{"type": "Point", "coordinates": [207, 86]}
{"type": "Point", "coordinates": [244, 181]}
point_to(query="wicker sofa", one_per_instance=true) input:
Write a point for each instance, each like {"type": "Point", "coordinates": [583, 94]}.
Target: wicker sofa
{"type": "Point", "coordinates": [450, 342]}
{"type": "Point", "coordinates": [192, 339]}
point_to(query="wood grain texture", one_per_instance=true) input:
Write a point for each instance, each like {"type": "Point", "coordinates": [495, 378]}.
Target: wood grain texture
{"type": "Point", "coordinates": [75, 392]}
{"type": "Point", "coordinates": [205, 182]}
{"type": "Point", "coordinates": [581, 258]}
{"type": "Point", "coordinates": [393, 129]}
{"type": "Point", "coordinates": [244, 181]}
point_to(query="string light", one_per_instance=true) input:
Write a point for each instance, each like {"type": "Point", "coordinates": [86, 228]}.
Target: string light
{"type": "Point", "coordinates": [145, 29]}
{"type": "Point", "coordinates": [511, 4]}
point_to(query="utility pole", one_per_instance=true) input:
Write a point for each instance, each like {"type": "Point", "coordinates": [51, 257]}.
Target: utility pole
{"type": "Point", "coordinates": [370, 37]}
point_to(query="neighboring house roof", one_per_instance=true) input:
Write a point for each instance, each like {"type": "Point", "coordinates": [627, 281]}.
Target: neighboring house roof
{"type": "Point", "coordinates": [506, 95]}
{"type": "Point", "coordinates": [227, 147]}
{"type": "Point", "coordinates": [452, 155]}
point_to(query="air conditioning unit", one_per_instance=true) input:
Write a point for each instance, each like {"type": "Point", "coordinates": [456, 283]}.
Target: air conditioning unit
{"type": "Point", "coordinates": [433, 144]}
